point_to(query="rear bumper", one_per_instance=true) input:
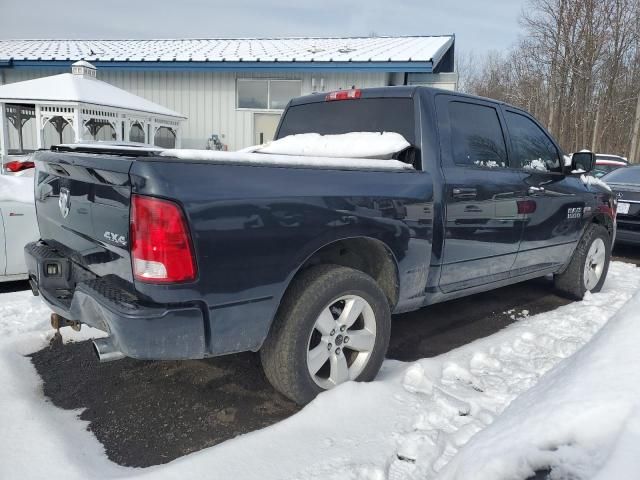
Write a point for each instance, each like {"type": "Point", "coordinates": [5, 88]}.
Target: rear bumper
{"type": "Point", "coordinates": [139, 329]}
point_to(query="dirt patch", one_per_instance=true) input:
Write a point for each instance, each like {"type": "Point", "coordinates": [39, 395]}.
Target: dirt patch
{"type": "Point", "coordinates": [148, 413]}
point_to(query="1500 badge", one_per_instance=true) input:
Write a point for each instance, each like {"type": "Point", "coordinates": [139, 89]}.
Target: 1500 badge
{"type": "Point", "coordinates": [575, 212]}
{"type": "Point", "coordinates": [115, 238]}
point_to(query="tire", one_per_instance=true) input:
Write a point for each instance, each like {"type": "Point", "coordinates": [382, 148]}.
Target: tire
{"type": "Point", "coordinates": [303, 328]}
{"type": "Point", "coordinates": [574, 281]}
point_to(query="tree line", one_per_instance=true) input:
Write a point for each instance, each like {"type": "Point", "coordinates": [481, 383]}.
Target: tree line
{"type": "Point", "coordinates": [576, 68]}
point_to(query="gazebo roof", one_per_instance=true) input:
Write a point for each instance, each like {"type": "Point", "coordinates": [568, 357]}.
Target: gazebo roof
{"type": "Point", "coordinates": [69, 87]}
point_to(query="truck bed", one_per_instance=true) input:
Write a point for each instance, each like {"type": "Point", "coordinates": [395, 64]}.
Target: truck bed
{"type": "Point", "coordinates": [253, 218]}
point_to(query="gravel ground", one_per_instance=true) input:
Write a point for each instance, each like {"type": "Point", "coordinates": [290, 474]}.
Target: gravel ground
{"type": "Point", "coordinates": [148, 413]}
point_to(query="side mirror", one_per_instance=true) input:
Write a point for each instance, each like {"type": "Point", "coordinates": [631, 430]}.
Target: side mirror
{"type": "Point", "coordinates": [584, 161]}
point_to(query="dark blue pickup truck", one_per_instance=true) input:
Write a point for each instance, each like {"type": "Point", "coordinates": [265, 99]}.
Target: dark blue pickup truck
{"type": "Point", "coordinates": [182, 257]}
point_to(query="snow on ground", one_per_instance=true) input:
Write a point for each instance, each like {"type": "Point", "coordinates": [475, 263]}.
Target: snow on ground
{"type": "Point", "coordinates": [486, 408]}
{"type": "Point", "coordinates": [15, 188]}
{"type": "Point", "coordinates": [572, 419]}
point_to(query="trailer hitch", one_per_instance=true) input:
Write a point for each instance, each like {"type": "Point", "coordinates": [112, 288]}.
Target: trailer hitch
{"type": "Point", "coordinates": [58, 321]}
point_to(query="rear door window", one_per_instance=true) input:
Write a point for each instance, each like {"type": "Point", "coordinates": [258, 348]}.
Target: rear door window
{"type": "Point", "coordinates": [476, 135]}
{"type": "Point", "coordinates": [532, 147]}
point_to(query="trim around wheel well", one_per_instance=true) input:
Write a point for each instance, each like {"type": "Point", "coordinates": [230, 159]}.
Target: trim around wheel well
{"type": "Point", "coordinates": [365, 254]}
{"type": "Point", "coordinates": [604, 220]}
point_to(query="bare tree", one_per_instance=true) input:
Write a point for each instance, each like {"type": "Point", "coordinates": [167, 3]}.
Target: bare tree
{"type": "Point", "coordinates": [577, 68]}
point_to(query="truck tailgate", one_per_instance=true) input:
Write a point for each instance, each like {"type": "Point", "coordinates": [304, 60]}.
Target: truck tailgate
{"type": "Point", "coordinates": [82, 203]}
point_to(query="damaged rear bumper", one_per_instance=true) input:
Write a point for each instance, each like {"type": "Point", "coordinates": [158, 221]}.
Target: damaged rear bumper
{"type": "Point", "coordinates": [138, 328]}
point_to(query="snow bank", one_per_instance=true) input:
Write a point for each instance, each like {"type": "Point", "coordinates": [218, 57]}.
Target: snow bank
{"type": "Point", "coordinates": [349, 145]}
{"type": "Point", "coordinates": [573, 419]}
{"type": "Point", "coordinates": [16, 188]}
{"type": "Point", "coordinates": [441, 417]}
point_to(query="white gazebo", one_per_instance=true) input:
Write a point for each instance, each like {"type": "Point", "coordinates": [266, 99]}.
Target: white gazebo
{"type": "Point", "coordinates": [76, 107]}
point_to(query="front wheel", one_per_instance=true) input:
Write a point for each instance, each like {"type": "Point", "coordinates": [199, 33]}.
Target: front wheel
{"type": "Point", "coordinates": [333, 326]}
{"type": "Point", "coordinates": [589, 264]}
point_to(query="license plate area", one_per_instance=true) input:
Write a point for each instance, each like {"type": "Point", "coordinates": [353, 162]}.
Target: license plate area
{"type": "Point", "coordinates": [623, 208]}
{"type": "Point", "coordinates": [53, 272]}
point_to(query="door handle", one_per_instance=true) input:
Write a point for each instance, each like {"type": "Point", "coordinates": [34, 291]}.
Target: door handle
{"type": "Point", "coordinates": [464, 193]}
{"type": "Point", "coordinates": [533, 190]}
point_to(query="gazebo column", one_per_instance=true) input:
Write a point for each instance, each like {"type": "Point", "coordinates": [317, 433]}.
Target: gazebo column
{"type": "Point", "coordinates": [127, 129]}
{"type": "Point", "coordinates": [77, 125]}
{"type": "Point", "coordinates": [178, 132]}
{"type": "Point", "coordinates": [4, 133]}
{"type": "Point", "coordinates": [119, 127]}
{"type": "Point", "coordinates": [39, 128]}
{"type": "Point", "coordinates": [152, 131]}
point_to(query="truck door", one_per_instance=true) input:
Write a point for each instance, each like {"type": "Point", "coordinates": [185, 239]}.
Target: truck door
{"type": "Point", "coordinates": [556, 201]}
{"type": "Point", "coordinates": [483, 195]}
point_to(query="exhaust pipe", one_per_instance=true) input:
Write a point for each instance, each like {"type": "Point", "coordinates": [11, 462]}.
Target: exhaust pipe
{"type": "Point", "coordinates": [106, 351]}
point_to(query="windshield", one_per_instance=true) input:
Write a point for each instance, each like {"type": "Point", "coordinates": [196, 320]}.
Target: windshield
{"type": "Point", "coordinates": [601, 170]}
{"type": "Point", "coordinates": [624, 175]}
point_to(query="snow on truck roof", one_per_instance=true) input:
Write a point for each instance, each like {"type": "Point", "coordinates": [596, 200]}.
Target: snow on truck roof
{"type": "Point", "coordinates": [328, 49]}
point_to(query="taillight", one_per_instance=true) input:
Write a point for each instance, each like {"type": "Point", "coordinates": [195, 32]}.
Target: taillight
{"type": "Point", "coordinates": [161, 248]}
{"type": "Point", "coordinates": [526, 206]}
{"type": "Point", "coordinates": [16, 166]}
{"type": "Point", "coordinates": [344, 95]}
{"type": "Point", "coordinates": [608, 210]}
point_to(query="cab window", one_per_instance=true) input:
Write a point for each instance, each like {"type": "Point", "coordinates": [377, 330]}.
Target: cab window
{"type": "Point", "coordinates": [532, 147]}
{"type": "Point", "coordinates": [476, 136]}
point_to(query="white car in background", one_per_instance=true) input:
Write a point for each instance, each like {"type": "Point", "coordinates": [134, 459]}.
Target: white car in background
{"type": "Point", "coordinates": [18, 224]}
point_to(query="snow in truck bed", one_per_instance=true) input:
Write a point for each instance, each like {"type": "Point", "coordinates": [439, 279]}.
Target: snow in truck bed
{"type": "Point", "coordinates": [356, 150]}
{"type": "Point", "coordinates": [501, 407]}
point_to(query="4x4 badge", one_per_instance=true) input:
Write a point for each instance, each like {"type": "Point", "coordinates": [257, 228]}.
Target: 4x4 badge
{"type": "Point", "coordinates": [64, 202]}
{"type": "Point", "coordinates": [115, 238]}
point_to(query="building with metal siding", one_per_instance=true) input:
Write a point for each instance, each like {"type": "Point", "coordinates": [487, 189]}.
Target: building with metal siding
{"type": "Point", "coordinates": [208, 80]}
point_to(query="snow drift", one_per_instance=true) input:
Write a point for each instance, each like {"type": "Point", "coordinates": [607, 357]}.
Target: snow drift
{"type": "Point", "coordinates": [16, 188]}
{"type": "Point", "coordinates": [573, 420]}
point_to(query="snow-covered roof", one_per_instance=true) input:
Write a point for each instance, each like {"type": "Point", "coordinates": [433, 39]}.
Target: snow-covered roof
{"type": "Point", "coordinates": [68, 87]}
{"type": "Point", "coordinates": [353, 49]}
{"type": "Point", "coordinates": [84, 64]}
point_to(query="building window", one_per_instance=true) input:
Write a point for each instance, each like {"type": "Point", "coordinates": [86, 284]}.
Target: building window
{"type": "Point", "coordinates": [264, 94]}
{"type": "Point", "coordinates": [281, 91]}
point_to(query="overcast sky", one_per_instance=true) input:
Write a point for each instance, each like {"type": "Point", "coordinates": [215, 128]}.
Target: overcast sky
{"type": "Point", "coordinates": [478, 25]}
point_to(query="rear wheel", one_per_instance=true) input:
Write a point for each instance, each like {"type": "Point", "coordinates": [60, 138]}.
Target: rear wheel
{"type": "Point", "coordinates": [333, 326]}
{"type": "Point", "coordinates": [589, 264]}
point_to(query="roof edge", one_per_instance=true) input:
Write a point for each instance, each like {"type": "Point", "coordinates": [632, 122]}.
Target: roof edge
{"type": "Point", "coordinates": [187, 39]}
{"type": "Point", "coordinates": [422, 66]}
